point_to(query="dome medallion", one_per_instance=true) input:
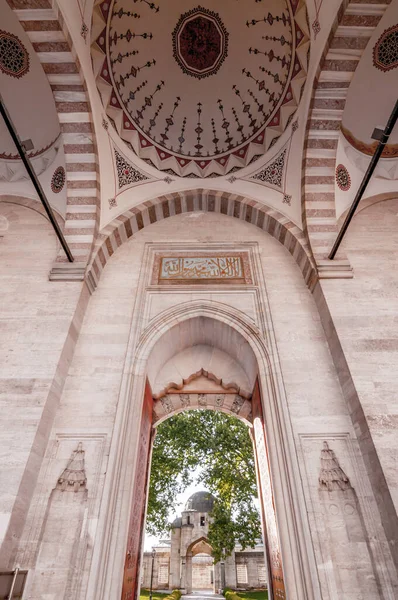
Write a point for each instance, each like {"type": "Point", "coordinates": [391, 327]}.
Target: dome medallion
{"type": "Point", "coordinates": [200, 91]}
{"type": "Point", "coordinates": [200, 42]}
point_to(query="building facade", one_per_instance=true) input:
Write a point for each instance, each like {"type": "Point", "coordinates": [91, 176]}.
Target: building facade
{"type": "Point", "coordinates": [199, 160]}
{"type": "Point", "coordinates": [186, 562]}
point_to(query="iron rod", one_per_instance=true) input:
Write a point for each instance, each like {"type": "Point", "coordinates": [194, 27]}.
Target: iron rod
{"type": "Point", "coordinates": [14, 580]}
{"type": "Point", "coordinates": [153, 561]}
{"type": "Point", "coordinates": [372, 165]}
{"type": "Point", "coordinates": [34, 179]}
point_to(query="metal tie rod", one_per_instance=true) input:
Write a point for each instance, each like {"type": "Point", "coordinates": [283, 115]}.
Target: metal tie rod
{"type": "Point", "coordinates": [14, 580]}
{"type": "Point", "coordinates": [34, 179]}
{"type": "Point", "coordinates": [383, 136]}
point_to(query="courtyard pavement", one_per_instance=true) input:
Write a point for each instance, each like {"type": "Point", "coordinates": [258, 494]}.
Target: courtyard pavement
{"type": "Point", "coordinates": [202, 595]}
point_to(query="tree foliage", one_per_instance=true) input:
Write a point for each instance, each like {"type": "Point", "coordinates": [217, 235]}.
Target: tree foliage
{"type": "Point", "coordinates": [220, 446]}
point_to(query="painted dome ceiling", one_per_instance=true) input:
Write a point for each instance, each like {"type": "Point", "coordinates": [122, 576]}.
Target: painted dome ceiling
{"type": "Point", "coordinates": [374, 89]}
{"type": "Point", "coordinates": [29, 100]}
{"type": "Point", "coordinates": [200, 90]}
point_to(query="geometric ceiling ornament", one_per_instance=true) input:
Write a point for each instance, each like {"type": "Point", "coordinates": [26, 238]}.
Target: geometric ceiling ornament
{"type": "Point", "coordinates": [272, 174]}
{"type": "Point", "coordinates": [58, 180]}
{"type": "Point", "coordinates": [343, 178]}
{"type": "Point", "coordinates": [127, 174]}
{"type": "Point", "coordinates": [14, 58]}
{"type": "Point", "coordinates": [200, 93]}
{"type": "Point", "coordinates": [385, 51]}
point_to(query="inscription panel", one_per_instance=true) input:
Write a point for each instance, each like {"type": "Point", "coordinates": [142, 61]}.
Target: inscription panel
{"type": "Point", "coordinates": [204, 268]}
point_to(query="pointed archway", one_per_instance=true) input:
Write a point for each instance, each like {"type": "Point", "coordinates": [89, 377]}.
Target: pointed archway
{"type": "Point", "coordinates": [109, 553]}
{"type": "Point", "coordinates": [199, 573]}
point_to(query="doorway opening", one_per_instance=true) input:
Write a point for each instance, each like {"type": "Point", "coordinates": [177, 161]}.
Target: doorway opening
{"type": "Point", "coordinates": [217, 371]}
{"type": "Point", "coordinates": [212, 535]}
{"type": "Point", "coordinates": [202, 573]}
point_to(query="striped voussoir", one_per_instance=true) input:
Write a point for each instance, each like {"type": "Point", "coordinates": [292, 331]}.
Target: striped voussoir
{"type": "Point", "coordinates": [347, 41]}
{"type": "Point", "coordinates": [50, 39]}
{"type": "Point", "coordinates": [267, 219]}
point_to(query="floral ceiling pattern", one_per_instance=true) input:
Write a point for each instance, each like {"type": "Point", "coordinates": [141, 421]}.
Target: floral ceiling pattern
{"type": "Point", "coordinates": [200, 91]}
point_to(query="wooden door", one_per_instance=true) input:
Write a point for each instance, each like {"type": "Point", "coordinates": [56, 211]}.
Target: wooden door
{"type": "Point", "coordinates": [137, 517]}
{"type": "Point", "coordinates": [276, 585]}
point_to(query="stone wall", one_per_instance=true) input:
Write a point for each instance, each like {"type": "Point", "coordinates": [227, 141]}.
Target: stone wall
{"type": "Point", "coordinates": [161, 571]}
{"type": "Point", "coordinates": [253, 566]}
{"type": "Point", "coordinates": [40, 324]}
{"type": "Point", "coordinates": [202, 573]}
{"type": "Point", "coordinates": [360, 316]}
{"type": "Point", "coordinates": [94, 404]}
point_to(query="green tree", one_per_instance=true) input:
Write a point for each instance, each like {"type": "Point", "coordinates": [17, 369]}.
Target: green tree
{"type": "Point", "coordinates": [220, 446]}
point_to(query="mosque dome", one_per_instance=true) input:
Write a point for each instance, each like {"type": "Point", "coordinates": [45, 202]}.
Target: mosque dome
{"type": "Point", "coordinates": [201, 502]}
{"type": "Point", "coordinates": [176, 524]}
{"type": "Point", "coordinates": [197, 92]}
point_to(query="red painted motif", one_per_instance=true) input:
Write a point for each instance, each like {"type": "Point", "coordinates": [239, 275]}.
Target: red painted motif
{"type": "Point", "coordinates": [136, 526]}
{"type": "Point", "coordinates": [277, 583]}
{"type": "Point", "coordinates": [58, 180]}
{"type": "Point", "coordinates": [343, 178]}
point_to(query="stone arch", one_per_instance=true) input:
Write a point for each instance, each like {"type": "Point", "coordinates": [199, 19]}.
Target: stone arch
{"type": "Point", "coordinates": [33, 205]}
{"type": "Point", "coordinates": [230, 404]}
{"type": "Point", "coordinates": [218, 311]}
{"type": "Point", "coordinates": [109, 553]}
{"type": "Point", "coordinates": [201, 363]}
{"type": "Point", "coordinates": [61, 65]}
{"type": "Point", "coordinates": [200, 200]}
{"type": "Point", "coordinates": [368, 202]}
{"type": "Point", "coordinates": [214, 349]}
{"type": "Point", "coordinates": [200, 546]}
{"type": "Point", "coordinates": [203, 544]}
{"type": "Point", "coordinates": [351, 30]}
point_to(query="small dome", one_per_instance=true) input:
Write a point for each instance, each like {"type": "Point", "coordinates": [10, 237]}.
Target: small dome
{"type": "Point", "coordinates": [201, 502]}
{"type": "Point", "coordinates": [176, 524]}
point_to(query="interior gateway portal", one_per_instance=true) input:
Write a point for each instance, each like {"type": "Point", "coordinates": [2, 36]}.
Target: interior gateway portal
{"type": "Point", "coordinates": [198, 210]}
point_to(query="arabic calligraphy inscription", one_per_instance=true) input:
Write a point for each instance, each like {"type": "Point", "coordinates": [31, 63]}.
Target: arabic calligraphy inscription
{"type": "Point", "coordinates": [220, 268]}
{"type": "Point", "coordinates": [209, 267]}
